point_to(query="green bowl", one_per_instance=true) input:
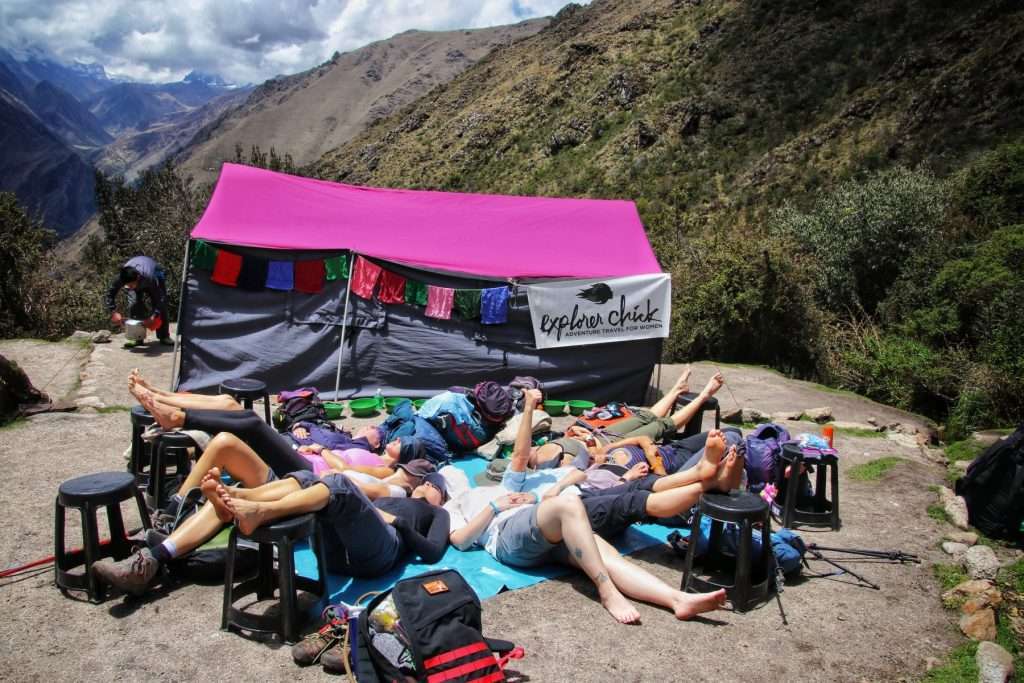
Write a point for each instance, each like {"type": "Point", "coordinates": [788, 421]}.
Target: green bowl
{"type": "Point", "coordinates": [363, 407]}
{"type": "Point", "coordinates": [391, 403]}
{"type": "Point", "coordinates": [553, 407]}
{"type": "Point", "coordinates": [333, 409]}
{"type": "Point", "coordinates": [577, 407]}
{"type": "Point", "coordinates": [418, 403]}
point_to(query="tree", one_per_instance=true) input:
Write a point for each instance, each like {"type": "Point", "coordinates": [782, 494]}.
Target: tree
{"type": "Point", "coordinates": [25, 243]}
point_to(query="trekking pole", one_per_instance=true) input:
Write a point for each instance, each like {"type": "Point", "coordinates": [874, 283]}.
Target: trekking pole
{"type": "Point", "coordinates": [819, 556]}
{"type": "Point", "coordinates": [779, 583]}
{"type": "Point", "coordinates": [891, 555]}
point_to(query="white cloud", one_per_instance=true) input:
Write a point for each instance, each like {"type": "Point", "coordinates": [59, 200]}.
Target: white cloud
{"type": "Point", "coordinates": [242, 40]}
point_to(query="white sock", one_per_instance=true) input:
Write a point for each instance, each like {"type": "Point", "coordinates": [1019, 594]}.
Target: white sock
{"type": "Point", "coordinates": [170, 547]}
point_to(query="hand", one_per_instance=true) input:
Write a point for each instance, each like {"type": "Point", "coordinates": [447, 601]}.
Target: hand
{"type": "Point", "coordinates": [533, 397]}
{"type": "Point", "coordinates": [641, 469]}
{"type": "Point", "coordinates": [300, 433]}
{"type": "Point", "coordinates": [551, 493]}
{"type": "Point", "coordinates": [312, 448]}
{"type": "Point", "coordinates": [511, 500]}
{"type": "Point", "coordinates": [116, 318]}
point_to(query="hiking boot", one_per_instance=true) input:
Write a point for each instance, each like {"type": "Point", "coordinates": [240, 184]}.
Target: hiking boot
{"type": "Point", "coordinates": [316, 645]}
{"type": "Point", "coordinates": [166, 341]}
{"type": "Point", "coordinates": [131, 575]}
{"type": "Point", "coordinates": [154, 538]}
{"type": "Point", "coordinates": [336, 659]}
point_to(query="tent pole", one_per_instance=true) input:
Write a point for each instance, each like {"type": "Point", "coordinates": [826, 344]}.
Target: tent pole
{"type": "Point", "coordinates": [344, 324]}
{"type": "Point", "coordinates": [181, 305]}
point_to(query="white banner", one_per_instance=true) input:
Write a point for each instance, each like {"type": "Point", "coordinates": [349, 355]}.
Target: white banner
{"type": "Point", "coordinates": [579, 312]}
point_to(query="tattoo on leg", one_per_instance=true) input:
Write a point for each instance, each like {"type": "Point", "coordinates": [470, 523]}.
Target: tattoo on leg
{"type": "Point", "coordinates": [601, 577]}
{"type": "Point", "coordinates": [578, 553]}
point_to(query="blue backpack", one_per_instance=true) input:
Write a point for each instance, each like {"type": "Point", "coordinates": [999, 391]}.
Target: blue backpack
{"type": "Point", "coordinates": [764, 446]}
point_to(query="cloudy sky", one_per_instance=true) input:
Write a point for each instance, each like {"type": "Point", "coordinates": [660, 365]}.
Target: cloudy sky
{"type": "Point", "coordinates": [242, 40]}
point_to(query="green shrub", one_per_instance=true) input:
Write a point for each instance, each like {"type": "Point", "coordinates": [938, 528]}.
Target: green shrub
{"type": "Point", "coordinates": [991, 190]}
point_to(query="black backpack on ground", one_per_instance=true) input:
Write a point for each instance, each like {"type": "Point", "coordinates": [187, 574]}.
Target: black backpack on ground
{"type": "Point", "coordinates": [439, 616]}
{"type": "Point", "coordinates": [993, 487]}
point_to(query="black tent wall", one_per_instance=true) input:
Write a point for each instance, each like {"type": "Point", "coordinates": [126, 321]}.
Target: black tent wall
{"type": "Point", "coordinates": [290, 339]}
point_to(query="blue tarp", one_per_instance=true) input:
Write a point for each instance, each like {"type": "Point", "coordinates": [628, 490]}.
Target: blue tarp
{"type": "Point", "coordinates": [487, 576]}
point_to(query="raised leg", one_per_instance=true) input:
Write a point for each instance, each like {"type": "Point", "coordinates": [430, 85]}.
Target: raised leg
{"type": "Point", "coordinates": [227, 452]}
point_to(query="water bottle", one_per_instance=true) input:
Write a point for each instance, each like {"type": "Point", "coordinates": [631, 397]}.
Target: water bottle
{"type": "Point", "coordinates": [379, 396]}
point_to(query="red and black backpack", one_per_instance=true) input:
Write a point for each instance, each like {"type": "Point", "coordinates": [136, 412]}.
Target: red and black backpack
{"type": "Point", "coordinates": [440, 617]}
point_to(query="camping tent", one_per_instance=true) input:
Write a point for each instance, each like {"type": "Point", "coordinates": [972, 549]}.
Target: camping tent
{"type": "Point", "coordinates": [454, 240]}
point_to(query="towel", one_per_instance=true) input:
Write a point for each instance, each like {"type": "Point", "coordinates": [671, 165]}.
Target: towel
{"type": "Point", "coordinates": [281, 275]}
{"type": "Point", "coordinates": [415, 293]}
{"type": "Point", "coordinates": [203, 256]}
{"type": "Point", "coordinates": [364, 277]}
{"type": "Point", "coordinates": [494, 306]}
{"type": "Point", "coordinates": [227, 268]}
{"type": "Point", "coordinates": [392, 288]}
{"type": "Point", "coordinates": [337, 267]}
{"type": "Point", "coordinates": [467, 303]}
{"type": "Point", "coordinates": [309, 276]}
{"type": "Point", "coordinates": [439, 302]}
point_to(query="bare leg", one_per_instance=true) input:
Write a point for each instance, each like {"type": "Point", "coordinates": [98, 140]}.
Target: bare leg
{"type": "Point", "coordinates": [674, 501]}
{"type": "Point", "coordinates": [196, 530]}
{"type": "Point", "coordinates": [250, 514]}
{"type": "Point", "coordinates": [168, 417]}
{"type": "Point", "coordinates": [731, 474]}
{"type": "Point", "coordinates": [665, 404]}
{"type": "Point", "coordinates": [137, 388]}
{"type": "Point", "coordinates": [691, 409]}
{"type": "Point", "coordinates": [706, 468]}
{"type": "Point", "coordinates": [638, 583]}
{"type": "Point", "coordinates": [564, 519]}
{"type": "Point", "coordinates": [228, 452]}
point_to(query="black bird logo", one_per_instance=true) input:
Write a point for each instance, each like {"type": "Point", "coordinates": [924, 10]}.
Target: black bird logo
{"type": "Point", "coordinates": [598, 294]}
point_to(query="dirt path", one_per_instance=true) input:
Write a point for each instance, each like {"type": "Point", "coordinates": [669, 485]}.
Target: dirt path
{"type": "Point", "coordinates": [837, 631]}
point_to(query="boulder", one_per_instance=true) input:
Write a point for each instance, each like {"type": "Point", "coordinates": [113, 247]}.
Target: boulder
{"type": "Point", "coordinates": [968, 538]}
{"type": "Point", "coordinates": [101, 337]}
{"type": "Point", "coordinates": [755, 416]}
{"type": "Point", "coordinates": [862, 426]}
{"type": "Point", "coordinates": [788, 415]}
{"type": "Point", "coordinates": [954, 549]}
{"type": "Point", "coordinates": [819, 415]}
{"type": "Point", "coordinates": [80, 335]}
{"type": "Point", "coordinates": [956, 507]}
{"type": "Point", "coordinates": [987, 437]}
{"type": "Point", "coordinates": [981, 562]}
{"type": "Point", "coordinates": [995, 664]}
{"type": "Point", "coordinates": [733, 417]}
{"type": "Point", "coordinates": [980, 625]}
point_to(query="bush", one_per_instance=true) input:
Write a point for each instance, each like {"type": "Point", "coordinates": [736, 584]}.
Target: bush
{"type": "Point", "coordinates": [862, 234]}
{"type": "Point", "coordinates": [991, 190]}
{"type": "Point", "coordinates": [25, 243]}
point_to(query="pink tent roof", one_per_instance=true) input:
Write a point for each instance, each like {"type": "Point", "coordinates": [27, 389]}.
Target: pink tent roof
{"type": "Point", "coordinates": [487, 235]}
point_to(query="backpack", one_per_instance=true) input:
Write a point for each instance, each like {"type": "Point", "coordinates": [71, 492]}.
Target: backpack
{"type": "Point", "coordinates": [993, 487]}
{"type": "Point", "coordinates": [763, 447]}
{"type": "Point", "coordinates": [428, 628]}
{"type": "Point", "coordinates": [301, 405]}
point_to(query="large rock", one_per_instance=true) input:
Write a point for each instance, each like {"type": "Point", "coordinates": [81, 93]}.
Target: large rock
{"type": "Point", "coordinates": [980, 625]}
{"type": "Point", "coordinates": [787, 416]}
{"type": "Point", "coordinates": [954, 549]}
{"type": "Point", "coordinates": [819, 415]}
{"type": "Point", "coordinates": [981, 562]}
{"type": "Point", "coordinates": [968, 538]}
{"type": "Point", "coordinates": [733, 417]}
{"type": "Point", "coordinates": [101, 337]}
{"type": "Point", "coordinates": [955, 506]}
{"type": "Point", "coordinates": [995, 664]}
{"type": "Point", "coordinates": [755, 416]}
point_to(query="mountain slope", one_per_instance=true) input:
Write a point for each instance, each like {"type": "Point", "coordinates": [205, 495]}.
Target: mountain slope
{"type": "Point", "coordinates": [67, 117]}
{"type": "Point", "coordinates": [47, 176]}
{"type": "Point", "coordinates": [709, 112]}
{"type": "Point", "coordinates": [309, 113]}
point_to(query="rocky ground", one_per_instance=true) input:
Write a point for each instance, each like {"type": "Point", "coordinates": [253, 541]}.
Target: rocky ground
{"type": "Point", "coordinates": [837, 630]}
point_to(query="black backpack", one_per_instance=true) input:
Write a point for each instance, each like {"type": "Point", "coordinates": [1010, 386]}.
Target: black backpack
{"type": "Point", "coordinates": [993, 487]}
{"type": "Point", "coordinates": [300, 409]}
{"type": "Point", "coordinates": [440, 616]}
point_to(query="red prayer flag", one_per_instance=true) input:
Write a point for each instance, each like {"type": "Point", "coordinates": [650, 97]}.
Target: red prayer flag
{"type": "Point", "coordinates": [364, 277]}
{"type": "Point", "coordinates": [309, 276]}
{"type": "Point", "coordinates": [227, 268]}
{"type": "Point", "coordinates": [392, 288]}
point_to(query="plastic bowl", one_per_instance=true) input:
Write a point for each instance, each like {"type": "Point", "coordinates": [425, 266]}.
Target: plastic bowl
{"type": "Point", "coordinates": [578, 407]}
{"type": "Point", "coordinates": [363, 407]}
{"type": "Point", "coordinates": [333, 409]}
{"type": "Point", "coordinates": [553, 407]}
{"type": "Point", "coordinates": [391, 403]}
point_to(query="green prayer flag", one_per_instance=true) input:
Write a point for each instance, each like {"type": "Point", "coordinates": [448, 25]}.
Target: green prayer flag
{"type": "Point", "coordinates": [415, 293]}
{"type": "Point", "coordinates": [467, 303]}
{"type": "Point", "coordinates": [203, 256]}
{"type": "Point", "coordinates": [337, 267]}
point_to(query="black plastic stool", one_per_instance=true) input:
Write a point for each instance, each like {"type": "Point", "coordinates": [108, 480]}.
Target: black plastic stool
{"type": "Point", "coordinates": [142, 452]}
{"type": "Point", "coordinates": [746, 583]}
{"type": "Point", "coordinates": [696, 424]}
{"type": "Point", "coordinates": [88, 494]}
{"type": "Point", "coordinates": [245, 390]}
{"type": "Point", "coordinates": [814, 509]}
{"type": "Point", "coordinates": [281, 534]}
{"type": "Point", "coordinates": [171, 449]}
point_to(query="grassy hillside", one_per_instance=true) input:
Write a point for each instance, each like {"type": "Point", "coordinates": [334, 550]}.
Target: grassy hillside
{"type": "Point", "coordinates": [775, 150]}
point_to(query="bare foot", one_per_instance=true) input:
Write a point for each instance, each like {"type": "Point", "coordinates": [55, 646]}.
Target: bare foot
{"type": "Point", "coordinates": [616, 603]}
{"type": "Point", "coordinates": [211, 474]}
{"type": "Point", "coordinates": [731, 474]}
{"type": "Point", "coordinates": [249, 514]}
{"type": "Point", "coordinates": [714, 384]}
{"type": "Point", "coordinates": [216, 495]}
{"type": "Point", "coordinates": [708, 465]}
{"type": "Point", "coordinates": [166, 416]}
{"type": "Point", "coordinates": [682, 384]}
{"type": "Point", "coordinates": [688, 605]}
